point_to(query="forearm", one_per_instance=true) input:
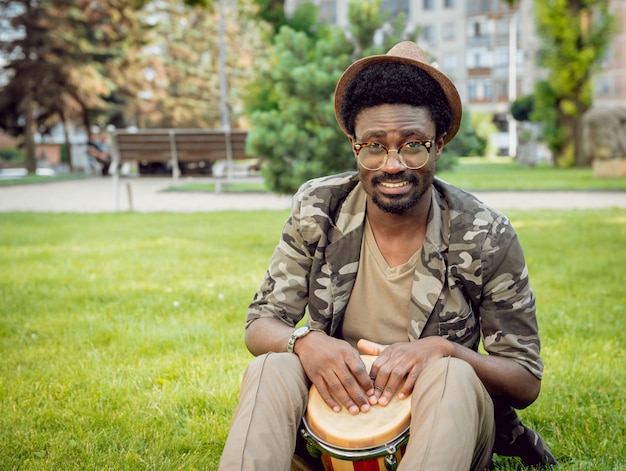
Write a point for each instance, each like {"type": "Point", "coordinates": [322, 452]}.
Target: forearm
{"type": "Point", "coordinates": [502, 377]}
{"type": "Point", "coordinates": [267, 335]}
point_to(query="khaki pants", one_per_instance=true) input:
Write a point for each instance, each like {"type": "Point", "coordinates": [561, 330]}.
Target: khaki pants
{"type": "Point", "coordinates": [452, 424]}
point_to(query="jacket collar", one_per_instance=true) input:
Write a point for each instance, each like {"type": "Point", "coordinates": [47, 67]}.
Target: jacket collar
{"type": "Point", "coordinates": [344, 249]}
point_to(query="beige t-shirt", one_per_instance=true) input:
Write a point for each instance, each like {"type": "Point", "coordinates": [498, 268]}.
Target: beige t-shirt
{"type": "Point", "coordinates": [379, 304]}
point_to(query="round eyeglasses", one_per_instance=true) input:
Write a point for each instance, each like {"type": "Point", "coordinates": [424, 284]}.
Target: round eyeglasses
{"type": "Point", "coordinates": [373, 156]}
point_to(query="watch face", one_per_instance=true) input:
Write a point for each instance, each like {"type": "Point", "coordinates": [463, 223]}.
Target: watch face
{"type": "Point", "coordinates": [301, 331]}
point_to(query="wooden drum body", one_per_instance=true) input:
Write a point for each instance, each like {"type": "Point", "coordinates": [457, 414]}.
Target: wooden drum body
{"type": "Point", "coordinates": [368, 441]}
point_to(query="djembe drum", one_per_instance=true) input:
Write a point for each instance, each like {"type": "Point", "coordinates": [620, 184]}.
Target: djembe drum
{"type": "Point", "coordinates": [369, 441]}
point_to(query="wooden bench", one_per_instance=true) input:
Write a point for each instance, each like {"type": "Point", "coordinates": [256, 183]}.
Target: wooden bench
{"type": "Point", "coordinates": [178, 151]}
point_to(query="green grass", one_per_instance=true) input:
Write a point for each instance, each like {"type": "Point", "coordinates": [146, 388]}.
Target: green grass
{"type": "Point", "coordinates": [479, 174]}
{"type": "Point", "coordinates": [472, 173]}
{"type": "Point", "coordinates": [503, 173]}
{"type": "Point", "coordinates": [236, 187]}
{"type": "Point", "coordinates": [121, 335]}
{"type": "Point", "coordinates": [41, 179]}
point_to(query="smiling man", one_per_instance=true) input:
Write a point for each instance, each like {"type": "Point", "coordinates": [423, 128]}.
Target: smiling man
{"type": "Point", "coordinates": [391, 262]}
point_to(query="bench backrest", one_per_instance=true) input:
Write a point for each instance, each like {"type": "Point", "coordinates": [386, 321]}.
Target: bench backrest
{"type": "Point", "coordinates": [185, 145]}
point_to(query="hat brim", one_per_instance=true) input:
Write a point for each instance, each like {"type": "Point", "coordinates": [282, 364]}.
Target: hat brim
{"type": "Point", "coordinates": [449, 90]}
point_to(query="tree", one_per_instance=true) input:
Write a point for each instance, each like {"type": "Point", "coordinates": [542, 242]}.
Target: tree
{"type": "Point", "coordinates": [575, 35]}
{"type": "Point", "coordinates": [294, 127]}
{"type": "Point", "coordinates": [55, 55]}
{"type": "Point", "coordinates": [180, 76]}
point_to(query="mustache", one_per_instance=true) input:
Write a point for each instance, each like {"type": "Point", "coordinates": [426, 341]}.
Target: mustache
{"type": "Point", "coordinates": [395, 177]}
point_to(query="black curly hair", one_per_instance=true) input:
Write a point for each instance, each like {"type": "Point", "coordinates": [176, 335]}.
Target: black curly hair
{"type": "Point", "coordinates": [382, 84]}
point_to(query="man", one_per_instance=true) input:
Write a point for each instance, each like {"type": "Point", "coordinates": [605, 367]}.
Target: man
{"type": "Point", "coordinates": [392, 262]}
{"type": "Point", "coordinates": [98, 149]}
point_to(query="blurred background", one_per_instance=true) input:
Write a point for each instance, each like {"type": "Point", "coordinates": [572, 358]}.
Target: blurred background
{"type": "Point", "coordinates": [542, 82]}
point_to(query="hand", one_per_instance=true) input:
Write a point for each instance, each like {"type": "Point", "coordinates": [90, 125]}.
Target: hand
{"type": "Point", "coordinates": [399, 365]}
{"type": "Point", "coordinates": [338, 372]}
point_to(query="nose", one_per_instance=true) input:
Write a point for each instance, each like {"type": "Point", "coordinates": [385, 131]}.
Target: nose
{"type": "Point", "coordinates": [393, 164]}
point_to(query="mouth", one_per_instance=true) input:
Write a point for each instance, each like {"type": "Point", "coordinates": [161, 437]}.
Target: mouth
{"type": "Point", "coordinates": [394, 184]}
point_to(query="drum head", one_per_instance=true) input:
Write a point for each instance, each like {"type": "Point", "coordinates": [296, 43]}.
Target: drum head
{"type": "Point", "coordinates": [366, 429]}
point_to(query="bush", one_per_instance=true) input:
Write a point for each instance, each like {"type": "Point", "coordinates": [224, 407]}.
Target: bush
{"type": "Point", "coordinates": [12, 154]}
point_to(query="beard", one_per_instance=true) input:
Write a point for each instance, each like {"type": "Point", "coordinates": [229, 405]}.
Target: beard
{"type": "Point", "coordinates": [400, 204]}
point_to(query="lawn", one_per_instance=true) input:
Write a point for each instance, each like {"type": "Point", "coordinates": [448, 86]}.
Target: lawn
{"type": "Point", "coordinates": [503, 173]}
{"type": "Point", "coordinates": [479, 174]}
{"type": "Point", "coordinates": [471, 173]}
{"type": "Point", "coordinates": [121, 339]}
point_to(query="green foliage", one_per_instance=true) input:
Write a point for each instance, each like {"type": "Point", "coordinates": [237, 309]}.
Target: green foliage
{"type": "Point", "coordinates": [65, 153]}
{"type": "Point", "coordinates": [297, 135]}
{"type": "Point", "coordinates": [293, 123]}
{"type": "Point", "coordinates": [522, 108]}
{"type": "Point", "coordinates": [12, 154]}
{"type": "Point", "coordinates": [574, 38]}
{"type": "Point", "coordinates": [122, 335]}
{"type": "Point", "coordinates": [473, 138]}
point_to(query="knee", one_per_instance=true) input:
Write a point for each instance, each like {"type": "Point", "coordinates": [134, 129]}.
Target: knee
{"type": "Point", "coordinates": [462, 370]}
{"type": "Point", "coordinates": [276, 368]}
{"type": "Point", "coordinates": [451, 374]}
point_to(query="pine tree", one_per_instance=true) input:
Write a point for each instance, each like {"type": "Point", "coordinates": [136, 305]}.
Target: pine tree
{"type": "Point", "coordinates": [294, 127]}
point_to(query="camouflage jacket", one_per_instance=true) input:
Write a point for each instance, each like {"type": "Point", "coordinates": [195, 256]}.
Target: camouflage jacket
{"type": "Point", "coordinates": [472, 281]}
{"type": "Point", "coordinates": [472, 277]}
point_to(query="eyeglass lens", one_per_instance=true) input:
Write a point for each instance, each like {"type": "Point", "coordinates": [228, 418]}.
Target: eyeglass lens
{"type": "Point", "coordinates": [412, 155]}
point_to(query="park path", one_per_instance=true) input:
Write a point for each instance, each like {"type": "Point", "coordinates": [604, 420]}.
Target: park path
{"type": "Point", "coordinates": [147, 194]}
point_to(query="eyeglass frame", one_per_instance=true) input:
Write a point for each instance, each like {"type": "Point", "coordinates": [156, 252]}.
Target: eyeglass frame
{"type": "Point", "coordinates": [427, 143]}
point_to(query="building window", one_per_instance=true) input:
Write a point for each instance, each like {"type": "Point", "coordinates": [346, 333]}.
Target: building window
{"type": "Point", "coordinates": [449, 31]}
{"type": "Point", "coordinates": [480, 90]}
{"type": "Point", "coordinates": [449, 3]}
{"type": "Point", "coordinates": [449, 63]}
{"type": "Point", "coordinates": [479, 58]}
{"type": "Point", "coordinates": [428, 34]}
{"type": "Point", "coordinates": [328, 11]}
{"type": "Point", "coordinates": [394, 7]}
{"type": "Point", "coordinates": [428, 4]}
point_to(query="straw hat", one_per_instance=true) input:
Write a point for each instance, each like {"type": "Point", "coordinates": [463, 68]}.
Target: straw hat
{"type": "Point", "coordinates": [406, 52]}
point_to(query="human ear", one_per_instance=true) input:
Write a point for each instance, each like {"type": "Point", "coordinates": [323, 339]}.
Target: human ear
{"type": "Point", "coordinates": [439, 145]}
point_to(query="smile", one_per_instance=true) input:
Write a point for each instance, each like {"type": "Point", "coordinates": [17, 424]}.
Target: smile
{"type": "Point", "coordinates": [394, 184]}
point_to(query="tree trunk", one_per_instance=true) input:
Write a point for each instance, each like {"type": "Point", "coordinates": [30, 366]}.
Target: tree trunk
{"type": "Point", "coordinates": [29, 134]}
{"type": "Point", "coordinates": [68, 145]}
{"type": "Point", "coordinates": [580, 157]}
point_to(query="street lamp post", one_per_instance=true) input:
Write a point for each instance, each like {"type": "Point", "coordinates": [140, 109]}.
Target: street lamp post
{"type": "Point", "coordinates": [512, 82]}
{"type": "Point", "coordinates": [224, 92]}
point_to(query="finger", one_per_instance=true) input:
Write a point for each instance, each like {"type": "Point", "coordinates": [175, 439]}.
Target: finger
{"type": "Point", "coordinates": [407, 388]}
{"type": "Point", "coordinates": [370, 348]}
{"type": "Point", "coordinates": [389, 378]}
{"type": "Point", "coordinates": [327, 397]}
{"type": "Point", "coordinates": [345, 391]}
{"type": "Point", "coordinates": [361, 374]}
{"type": "Point", "coordinates": [350, 394]}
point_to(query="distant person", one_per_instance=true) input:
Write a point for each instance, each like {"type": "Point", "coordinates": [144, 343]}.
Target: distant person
{"type": "Point", "coordinates": [98, 149]}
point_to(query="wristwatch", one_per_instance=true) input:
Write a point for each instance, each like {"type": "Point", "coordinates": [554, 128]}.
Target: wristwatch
{"type": "Point", "coordinates": [297, 334]}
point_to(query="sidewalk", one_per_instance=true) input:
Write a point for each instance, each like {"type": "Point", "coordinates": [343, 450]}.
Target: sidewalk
{"type": "Point", "coordinates": [97, 194]}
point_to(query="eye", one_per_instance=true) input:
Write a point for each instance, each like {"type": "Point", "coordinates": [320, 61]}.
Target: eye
{"type": "Point", "coordinates": [418, 144]}
{"type": "Point", "coordinates": [374, 148]}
